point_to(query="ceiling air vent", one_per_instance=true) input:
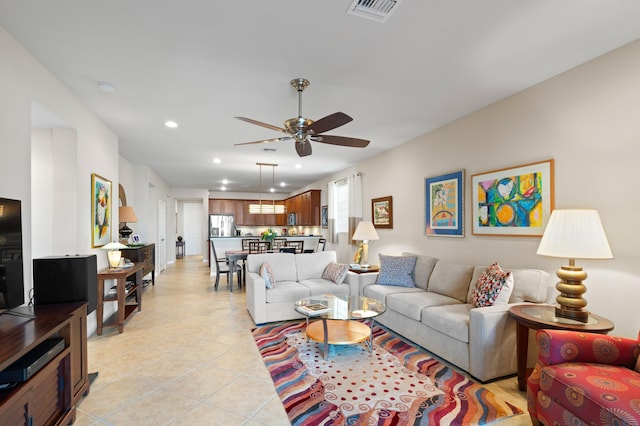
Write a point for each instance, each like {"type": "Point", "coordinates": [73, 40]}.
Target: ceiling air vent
{"type": "Point", "coordinates": [375, 10]}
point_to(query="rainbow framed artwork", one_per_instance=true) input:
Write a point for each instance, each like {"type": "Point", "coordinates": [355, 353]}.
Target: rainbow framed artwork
{"type": "Point", "coordinates": [444, 202]}
{"type": "Point", "coordinates": [516, 201]}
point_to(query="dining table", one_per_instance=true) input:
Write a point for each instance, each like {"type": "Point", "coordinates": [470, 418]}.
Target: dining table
{"type": "Point", "coordinates": [233, 256]}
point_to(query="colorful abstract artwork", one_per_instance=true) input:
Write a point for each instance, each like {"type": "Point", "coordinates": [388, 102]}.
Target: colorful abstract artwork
{"type": "Point", "coordinates": [100, 211]}
{"type": "Point", "coordinates": [514, 201]}
{"type": "Point", "coordinates": [444, 200]}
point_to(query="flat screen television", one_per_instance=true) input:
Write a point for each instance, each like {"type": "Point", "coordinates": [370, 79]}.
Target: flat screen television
{"type": "Point", "coordinates": [11, 273]}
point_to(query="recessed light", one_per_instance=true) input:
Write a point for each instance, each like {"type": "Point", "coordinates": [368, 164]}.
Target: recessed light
{"type": "Point", "coordinates": [224, 181]}
{"type": "Point", "coordinates": [223, 188]}
{"type": "Point", "coordinates": [106, 87]}
{"type": "Point", "coordinates": [216, 161]}
{"type": "Point", "coordinates": [272, 189]}
{"type": "Point", "coordinates": [282, 184]}
{"type": "Point", "coordinates": [298, 166]}
{"type": "Point", "coordinates": [171, 124]}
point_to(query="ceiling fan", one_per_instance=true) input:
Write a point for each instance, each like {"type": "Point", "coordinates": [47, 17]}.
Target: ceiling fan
{"type": "Point", "coordinates": [304, 130]}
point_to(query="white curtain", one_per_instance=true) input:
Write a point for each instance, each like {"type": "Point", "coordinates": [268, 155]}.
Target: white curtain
{"type": "Point", "coordinates": [332, 207]}
{"type": "Point", "coordinates": [355, 203]}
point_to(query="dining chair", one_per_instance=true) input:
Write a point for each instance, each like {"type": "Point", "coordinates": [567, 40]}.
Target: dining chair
{"type": "Point", "coordinates": [321, 243]}
{"type": "Point", "coordinates": [287, 250]}
{"type": "Point", "coordinates": [277, 243]}
{"type": "Point", "coordinates": [245, 243]}
{"type": "Point", "coordinates": [298, 244]}
{"type": "Point", "coordinates": [222, 267]}
{"type": "Point", "coordinates": [259, 247]}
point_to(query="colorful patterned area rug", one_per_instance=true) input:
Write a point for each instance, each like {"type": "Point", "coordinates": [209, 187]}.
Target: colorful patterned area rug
{"type": "Point", "coordinates": [395, 384]}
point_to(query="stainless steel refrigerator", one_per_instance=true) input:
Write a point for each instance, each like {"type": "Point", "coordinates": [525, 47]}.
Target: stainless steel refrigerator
{"type": "Point", "coordinates": [222, 225]}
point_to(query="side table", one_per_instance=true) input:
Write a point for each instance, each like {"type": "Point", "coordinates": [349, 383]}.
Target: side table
{"type": "Point", "coordinates": [364, 270]}
{"type": "Point", "coordinates": [179, 249]}
{"type": "Point", "coordinates": [537, 316]}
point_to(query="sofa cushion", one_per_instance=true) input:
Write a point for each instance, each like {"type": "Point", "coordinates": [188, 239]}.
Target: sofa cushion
{"type": "Point", "coordinates": [410, 304]}
{"type": "Point", "coordinates": [283, 265]}
{"type": "Point", "coordinates": [451, 279]}
{"type": "Point", "coordinates": [380, 292]}
{"type": "Point", "coordinates": [318, 286]}
{"type": "Point", "coordinates": [450, 320]}
{"type": "Point", "coordinates": [335, 272]}
{"type": "Point", "coordinates": [287, 291]}
{"type": "Point", "coordinates": [422, 270]}
{"type": "Point", "coordinates": [396, 270]}
{"type": "Point", "coordinates": [267, 275]}
{"type": "Point", "coordinates": [312, 265]}
{"type": "Point", "coordinates": [493, 287]}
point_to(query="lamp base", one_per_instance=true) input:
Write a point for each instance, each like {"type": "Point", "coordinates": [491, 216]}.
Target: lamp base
{"type": "Point", "coordinates": [571, 290]}
{"type": "Point", "coordinates": [125, 232]}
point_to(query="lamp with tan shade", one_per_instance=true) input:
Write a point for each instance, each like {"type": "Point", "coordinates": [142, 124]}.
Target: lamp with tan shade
{"type": "Point", "coordinates": [126, 214]}
{"type": "Point", "coordinates": [574, 234]}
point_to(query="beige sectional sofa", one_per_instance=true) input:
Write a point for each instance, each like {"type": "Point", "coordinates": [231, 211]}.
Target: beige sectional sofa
{"type": "Point", "coordinates": [438, 314]}
{"type": "Point", "coordinates": [297, 276]}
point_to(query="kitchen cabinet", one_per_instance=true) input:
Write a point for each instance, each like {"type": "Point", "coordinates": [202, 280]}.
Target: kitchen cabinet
{"type": "Point", "coordinates": [306, 206]}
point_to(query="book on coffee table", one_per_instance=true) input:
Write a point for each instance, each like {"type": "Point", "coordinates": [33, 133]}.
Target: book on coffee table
{"type": "Point", "coordinates": [314, 309]}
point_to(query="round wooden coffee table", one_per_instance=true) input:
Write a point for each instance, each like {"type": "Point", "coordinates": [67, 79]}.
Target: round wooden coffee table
{"type": "Point", "coordinates": [538, 316]}
{"type": "Point", "coordinates": [338, 325]}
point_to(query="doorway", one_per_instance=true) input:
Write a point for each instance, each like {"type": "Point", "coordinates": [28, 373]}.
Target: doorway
{"type": "Point", "coordinates": [192, 228]}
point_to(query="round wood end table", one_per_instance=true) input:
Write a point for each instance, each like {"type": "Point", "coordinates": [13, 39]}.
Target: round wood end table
{"type": "Point", "coordinates": [537, 316]}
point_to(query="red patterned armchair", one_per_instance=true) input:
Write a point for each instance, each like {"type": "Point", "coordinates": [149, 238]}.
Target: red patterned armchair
{"type": "Point", "coordinates": [585, 379]}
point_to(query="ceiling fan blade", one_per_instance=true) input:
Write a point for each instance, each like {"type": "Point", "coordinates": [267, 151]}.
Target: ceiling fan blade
{"type": "Point", "coordinates": [329, 122]}
{"type": "Point", "coordinates": [303, 148]}
{"type": "Point", "coordinates": [285, 138]}
{"type": "Point", "coordinates": [261, 124]}
{"type": "Point", "coordinates": [342, 141]}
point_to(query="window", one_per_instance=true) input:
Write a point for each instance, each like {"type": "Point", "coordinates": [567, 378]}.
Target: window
{"type": "Point", "coordinates": [342, 206]}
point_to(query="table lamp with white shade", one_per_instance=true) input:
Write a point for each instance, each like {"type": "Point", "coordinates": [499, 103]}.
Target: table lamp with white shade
{"type": "Point", "coordinates": [574, 234]}
{"type": "Point", "coordinates": [365, 232]}
{"type": "Point", "coordinates": [113, 253]}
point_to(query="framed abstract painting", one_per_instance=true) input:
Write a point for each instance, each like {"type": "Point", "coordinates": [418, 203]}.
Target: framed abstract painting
{"type": "Point", "coordinates": [100, 210]}
{"type": "Point", "coordinates": [444, 202]}
{"type": "Point", "coordinates": [516, 201]}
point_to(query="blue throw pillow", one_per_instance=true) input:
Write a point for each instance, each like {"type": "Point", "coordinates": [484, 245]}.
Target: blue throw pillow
{"type": "Point", "coordinates": [396, 270]}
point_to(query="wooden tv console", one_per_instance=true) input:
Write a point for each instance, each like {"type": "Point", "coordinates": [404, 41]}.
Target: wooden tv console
{"type": "Point", "coordinates": [48, 397]}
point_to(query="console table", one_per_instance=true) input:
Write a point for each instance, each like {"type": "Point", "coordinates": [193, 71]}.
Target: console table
{"type": "Point", "coordinates": [122, 292]}
{"type": "Point", "coordinates": [145, 254]}
{"type": "Point", "coordinates": [50, 395]}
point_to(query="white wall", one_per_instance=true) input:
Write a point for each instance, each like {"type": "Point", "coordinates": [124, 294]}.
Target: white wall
{"type": "Point", "coordinates": [586, 120]}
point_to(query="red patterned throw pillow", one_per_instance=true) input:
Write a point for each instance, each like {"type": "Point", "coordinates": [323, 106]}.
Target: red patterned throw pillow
{"type": "Point", "coordinates": [494, 287]}
{"type": "Point", "coordinates": [335, 272]}
{"type": "Point", "coordinates": [267, 275]}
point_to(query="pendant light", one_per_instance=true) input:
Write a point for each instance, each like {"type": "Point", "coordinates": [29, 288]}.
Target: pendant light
{"type": "Point", "coordinates": [272, 208]}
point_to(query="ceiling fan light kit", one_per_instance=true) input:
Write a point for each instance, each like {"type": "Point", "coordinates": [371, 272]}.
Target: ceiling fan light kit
{"type": "Point", "coordinates": [304, 130]}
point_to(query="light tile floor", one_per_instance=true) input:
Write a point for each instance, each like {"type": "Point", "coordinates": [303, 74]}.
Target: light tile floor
{"type": "Point", "coordinates": [188, 358]}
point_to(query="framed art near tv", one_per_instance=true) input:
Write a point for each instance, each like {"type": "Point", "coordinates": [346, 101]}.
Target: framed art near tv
{"type": "Point", "coordinates": [382, 212]}
{"type": "Point", "coordinates": [516, 201]}
{"type": "Point", "coordinates": [100, 210]}
{"type": "Point", "coordinates": [444, 202]}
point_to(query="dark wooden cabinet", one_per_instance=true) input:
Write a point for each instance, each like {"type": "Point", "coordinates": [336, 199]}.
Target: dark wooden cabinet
{"type": "Point", "coordinates": [51, 394]}
{"type": "Point", "coordinates": [143, 254]}
{"type": "Point", "coordinates": [306, 206]}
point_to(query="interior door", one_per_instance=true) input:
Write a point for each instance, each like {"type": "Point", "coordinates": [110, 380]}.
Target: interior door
{"type": "Point", "coordinates": [192, 226]}
{"type": "Point", "coordinates": [161, 261]}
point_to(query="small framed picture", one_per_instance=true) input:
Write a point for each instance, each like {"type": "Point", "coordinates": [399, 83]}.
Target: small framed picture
{"type": "Point", "coordinates": [382, 212]}
{"type": "Point", "coordinates": [324, 216]}
{"type": "Point", "coordinates": [135, 239]}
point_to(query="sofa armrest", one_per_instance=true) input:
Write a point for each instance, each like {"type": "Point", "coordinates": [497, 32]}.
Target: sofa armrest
{"type": "Point", "coordinates": [365, 280]}
{"type": "Point", "coordinates": [256, 296]}
{"type": "Point", "coordinates": [354, 284]}
{"type": "Point", "coordinates": [560, 346]}
{"type": "Point", "coordinates": [492, 341]}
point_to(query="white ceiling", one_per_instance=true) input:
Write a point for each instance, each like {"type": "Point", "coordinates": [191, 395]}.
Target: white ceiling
{"type": "Point", "coordinates": [202, 62]}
